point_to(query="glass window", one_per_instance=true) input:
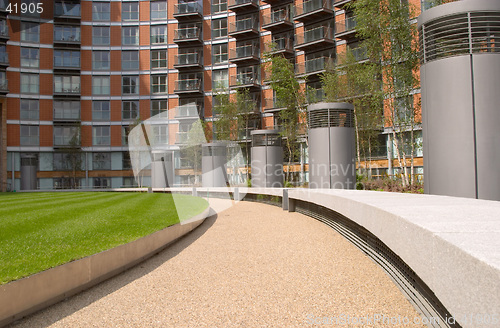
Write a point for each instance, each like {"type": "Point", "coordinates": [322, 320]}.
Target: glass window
{"type": "Point", "coordinates": [101, 11]}
{"type": "Point", "coordinates": [130, 85]}
{"type": "Point", "coordinates": [101, 136]}
{"type": "Point", "coordinates": [129, 182]}
{"type": "Point", "coordinates": [158, 10]}
{"type": "Point", "coordinates": [30, 83]}
{"type": "Point", "coordinates": [125, 132]}
{"type": "Point", "coordinates": [100, 35]}
{"type": "Point", "coordinates": [101, 110]}
{"type": "Point", "coordinates": [101, 161]}
{"type": "Point", "coordinates": [220, 54]}
{"type": "Point", "coordinates": [158, 59]}
{"type": "Point", "coordinates": [67, 8]}
{"type": "Point", "coordinates": [219, 28]}
{"type": "Point", "coordinates": [130, 35]}
{"type": "Point", "coordinates": [67, 33]}
{"type": "Point", "coordinates": [30, 109]}
{"type": "Point", "coordinates": [160, 133]}
{"type": "Point", "coordinates": [158, 106]}
{"type": "Point", "coordinates": [66, 58]}
{"type": "Point", "coordinates": [30, 57]}
{"type": "Point", "coordinates": [219, 6]}
{"type": "Point", "coordinates": [130, 60]}
{"type": "Point", "coordinates": [67, 84]}
{"type": "Point", "coordinates": [61, 161]}
{"type": "Point", "coordinates": [158, 84]}
{"type": "Point", "coordinates": [102, 182]}
{"type": "Point", "coordinates": [130, 110]}
{"type": "Point", "coordinates": [64, 109]}
{"type": "Point", "coordinates": [31, 11]}
{"type": "Point", "coordinates": [220, 79]}
{"type": "Point", "coordinates": [4, 56]}
{"type": "Point", "coordinates": [30, 135]}
{"type": "Point", "coordinates": [158, 34]}
{"type": "Point", "coordinates": [65, 136]}
{"type": "Point", "coordinates": [100, 85]}
{"type": "Point", "coordinates": [100, 60]}
{"type": "Point", "coordinates": [130, 11]}
{"type": "Point", "coordinates": [4, 28]}
{"type": "Point", "coordinates": [30, 32]}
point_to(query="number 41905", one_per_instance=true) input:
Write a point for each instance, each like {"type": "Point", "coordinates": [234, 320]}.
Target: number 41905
{"type": "Point", "coordinates": [25, 8]}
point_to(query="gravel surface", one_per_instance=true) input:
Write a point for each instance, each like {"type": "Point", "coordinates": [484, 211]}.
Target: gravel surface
{"type": "Point", "coordinates": [253, 266]}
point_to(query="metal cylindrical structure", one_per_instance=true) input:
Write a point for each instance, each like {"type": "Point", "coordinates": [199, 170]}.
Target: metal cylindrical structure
{"type": "Point", "coordinates": [213, 164]}
{"type": "Point", "coordinates": [460, 75]}
{"type": "Point", "coordinates": [331, 146]}
{"type": "Point", "coordinates": [267, 159]}
{"type": "Point", "coordinates": [28, 172]}
{"type": "Point", "coordinates": [162, 169]}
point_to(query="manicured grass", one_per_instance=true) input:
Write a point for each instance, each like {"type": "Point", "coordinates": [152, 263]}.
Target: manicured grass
{"type": "Point", "coordinates": [39, 231]}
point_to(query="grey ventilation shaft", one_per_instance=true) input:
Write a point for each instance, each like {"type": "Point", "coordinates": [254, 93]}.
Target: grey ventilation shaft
{"type": "Point", "coordinates": [29, 164]}
{"type": "Point", "coordinates": [213, 164]}
{"type": "Point", "coordinates": [460, 77]}
{"type": "Point", "coordinates": [162, 169]}
{"type": "Point", "coordinates": [267, 159]}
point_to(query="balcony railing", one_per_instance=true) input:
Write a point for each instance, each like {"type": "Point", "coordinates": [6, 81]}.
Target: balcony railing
{"type": "Point", "coordinates": [67, 115]}
{"type": "Point", "coordinates": [180, 138]}
{"type": "Point", "coordinates": [187, 8]}
{"type": "Point", "coordinates": [62, 37]}
{"type": "Point", "coordinates": [246, 51]}
{"type": "Point", "coordinates": [65, 141]}
{"type": "Point", "coordinates": [4, 30]}
{"type": "Point", "coordinates": [188, 34]}
{"type": "Point", "coordinates": [359, 53]}
{"type": "Point", "coordinates": [316, 34]}
{"type": "Point", "coordinates": [346, 25]}
{"type": "Point", "coordinates": [188, 111]}
{"type": "Point", "coordinates": [188, 59]}
{"type": "Point", "coordinates": [313, 6]}
{"type": "Point", "coordinates": [272, 104]}
{"type": "Point", "coordinates": [69, 90]}
{"type": "Point", "coordinates": [70, 10]}
{"type": "Point", "coordinates": [276, 17]}
{"type": "Point", "coordinates": [279, 45]}
{"type": "Point", "coordinates": [243, 25]}
{"type": "Point", "coordinates": [235, 4]}
{"type": "Point", "coordinates": [315, 65]}
{"type": "Point", "coordinates": [245, 79]}
{"type": "Point", "coordinates": [4, 85]}
{"type": "Point", "coordinates": [189, 85]}
{"type": "Point", "coordinates": [4, 58]}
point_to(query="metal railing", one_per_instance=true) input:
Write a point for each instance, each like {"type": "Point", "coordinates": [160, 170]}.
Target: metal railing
{"type": "Point", "coordinates": [250, 50]}
{"type": "Point", "coordinates": [233, 3]}
{"type": "Point", "coordinates": [67, 90]}
{"type": "Point", "coordinates": [189, 110]}
{"type": "Point", "coordinates": [188, 85]}
{"type": "Point", "coordinates": [315, 34]}
{"type": "Point", "coordinates": [187, 8]}
{"type": "Point", "coordinates": [346, 25]}
{"type": "Point", "coordinates": [4, 85]}
{"type": "Point", "coordinates": [193, 58]}
{"type": "Point", "coordinates": [313, 65]}
{"type": "Point", "coordinates": [4, 58]}
{"type": "Point", "coordinates": [67, 9]}
{"type": "Point", "coordinates": [277, 16]}
{"type": "Point", "coordinates": [250, 23]}
{"type": "Point", "coordinates": [312, 5]}
{"type": "Point", "coordinates": [4, 30]}
{"type": "Point", "coordinates": [280, 44]}
{"type": "Point", "coordinates": [187, 33]}
{"type": "Point", "coordinates": [246, 78]}
{"type": "Point", "coordinates": [359, 53]}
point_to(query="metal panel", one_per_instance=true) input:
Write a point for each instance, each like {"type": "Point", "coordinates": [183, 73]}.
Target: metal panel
{"type": "Point", "coordinates": [213, 164]}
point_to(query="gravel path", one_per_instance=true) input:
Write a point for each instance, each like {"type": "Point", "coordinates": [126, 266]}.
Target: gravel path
{"type": "Point", "coordinates": [253, 266]}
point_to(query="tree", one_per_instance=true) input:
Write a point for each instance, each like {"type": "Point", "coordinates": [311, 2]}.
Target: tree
{"type": "Point", "coordinates": [290, 96]}
{"type": "Point", "coordinates": [390, 39]}
{"type": "Point", "coordinates": [192, 150]}
{"type": "Point", "coordinates": [74, 157]}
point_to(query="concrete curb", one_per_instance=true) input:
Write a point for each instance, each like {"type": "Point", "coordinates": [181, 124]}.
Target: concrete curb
{"type": "Point", "coordinates": [25, 296]}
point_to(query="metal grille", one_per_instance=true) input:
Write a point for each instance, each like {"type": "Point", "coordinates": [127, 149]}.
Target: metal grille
{"type": "Point", "coordinates": [324, 118]}
{"type": "Point", "coordinates": [465, 33]}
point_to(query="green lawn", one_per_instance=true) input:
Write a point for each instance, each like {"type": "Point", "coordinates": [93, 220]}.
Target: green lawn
{"type": "Point", "coordinates": [39, 231]}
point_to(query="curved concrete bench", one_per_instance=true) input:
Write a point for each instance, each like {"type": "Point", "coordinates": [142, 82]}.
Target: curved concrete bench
{"type": "Point", "coordinates": [22, 297]}
{"type": "Point", "coordinates": [446, 249]}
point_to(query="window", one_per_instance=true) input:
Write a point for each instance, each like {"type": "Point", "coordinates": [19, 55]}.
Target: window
{"type": "Point", "coordinates": [4, 28]}
{"type": "Point", "coordinates": [219, 28]}
{"type": "Point", "coordinates": [64, 109]}
{"type": "Point", "coordinates": [159, 84]}
{"type": "Point", "coordinates": [67, 33]}
{"type": "Point", "coordinates": [61, 161]}
{"type": "Point", "coordinates": [100, 85]}
{"type": "Point", "coordinates": [4, 56]}
{"type": "Point", "coordinates": [220, 54]}
{"type": "Point", "coordinates": [130, 60]}
{"type": "Point", "coordinates": [67, 183]}
{"type": "Point", "coordinates": [126, 162]}
{"type": "Point", "coordinates": [101, 161]}
{"type": "Point", "coordinates": [101, 136]}
{"type": "Point", "coordinates": [130, 85]}
{"type": "Point", "coordinates": [125, 132]}
{"type": "Point", "coordinates": [100, 35]}
{"type": "Point", "coordinates": [219, 6]}
{"type": "Point", "coordinates": [66, 59]}
{"type": "Point", "coordinates": [129, 182]}
{"type": "Point", "coordinates": [130, 110]}
{"type": "Point", "coordinates": [66, 136]}
{"type": "Point", "coordinates": [30, 32]}
{"type": "Point", "coordinates": [30, 135]}
{"type": "Point", "coordinates": [100, 60]}
{"type": "Point", "coordinates": [220, 79]}
{"type": "Point", "coordinates": [67, 84]}
{"type": "Point", "coordinates": [30, 83]}
{"type": "Point", "coordinates": [158, 59]}
{"type": "Point", "coordinates": [67, 8]}
{"type": "Point", "coordinates": [160, 134]}
{"type": "Point", "coordinates": [158, 106]}
{"type": "Point", "coordinates": [30, 109]}
{"type": "Point", "coordinates": [31, 11]}
{"type": "Point", "coordinates": [101, 11]}
{"type": "Point", "coordinates": [158, 34]}
{"type": "Point", "coordinates": [101, 110]}
{"type": "Point", "coordinates": [130, 11]}
{"type": "Point", "coordinates": [102, 182]}
{"type": "Point", "coordinates": [30, 57]}
{"type": "Point", "coordinates": [158, 10]}
{"type": "Point", "coordinates": [130, 35]}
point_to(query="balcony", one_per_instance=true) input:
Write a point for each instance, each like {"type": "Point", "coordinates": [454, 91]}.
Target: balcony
{"type": "Point", "coordinates": [243, 5]}
{"type": "Point", "coordinates": [246, 53]}
{"type": "Point", "coordinates": [189, 111]}
{"type": "Point", "coordinates": [188, 35]}
{"type": "Point", "coordinates": [340, 3]}
{"type": "Point", "coordinates": [247, 27]}
{"type": "Point", "coordinates": [188, 86]}
{"type": "Point", "coordinates": [67, 90]}
{"type": "Point", "coordinates": [4, 31]}
{"type": "Point", "coordinates": [314, 10]}
{"type": "Point", "coordinates": [283, 45]}
{"type": "Point", "coordinates": [314, 66]}
{"type": "Point", "coordinates": [67, 11]}
{"type": "Point", "coordinates": [318, 37]}
{"type": "Point", "coordinates": [65, 141]}
{"type": "Point", "coordinates": [4, 86]}
{"type": "Point", "coordinates": [245, 80]}
{"type": "Point", "coordinates": [359, 54]}
{"type": "Point", "coordinates": [4, 59]}
{"type": "Point", "coordinates": [277, 20]}
{"type": "Point", "coordinates": [188, 10]}
{"type": "Point", "coordinates": [272, 105]}
{"type": "Point", "coordinates": [181, 138]}
{"type": "Point", "coordinates": [68, 115]}
{"type": "Point", "coordinates": [67, 37]}
{"type": "Point", "coordinates": [346, 29]}
{"type": "Point", "coordinates": [188, 60]}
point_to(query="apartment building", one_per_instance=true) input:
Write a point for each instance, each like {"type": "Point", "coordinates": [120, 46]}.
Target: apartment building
{"type": "Point", "coordinates": [93, 69]}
